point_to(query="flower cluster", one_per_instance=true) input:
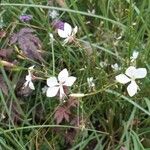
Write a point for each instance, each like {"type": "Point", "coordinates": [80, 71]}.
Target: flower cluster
{"type": "Point", "coordinates": [59, 86]}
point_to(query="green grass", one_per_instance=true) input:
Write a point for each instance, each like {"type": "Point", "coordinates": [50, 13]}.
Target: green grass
{"type": "Point", "coordinates": [108, 118]}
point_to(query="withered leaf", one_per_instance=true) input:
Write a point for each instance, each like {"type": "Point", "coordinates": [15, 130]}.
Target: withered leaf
{"type": "Point", "coordinates": [28, 42]}
{"type": "Point", "coordinates": [5, 53]}
{"type": "Point", "coordinates": [72, 102]}
{"type": "Point", "coordinates": [3, 85]}
{"type": "Point", "coordinates": [61, 113]}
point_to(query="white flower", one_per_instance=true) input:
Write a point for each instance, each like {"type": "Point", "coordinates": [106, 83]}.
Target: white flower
{"type": "Point", "coordinates": [44, 89]}
{"type": "Point", "coordinates": [51, 36]}
{"type": "Point", "coordinates": [134, 56]}
{"type": "Point", "coordinates": [116, 67]}
{"type": "Point", "coordinates": [67, 32]}
{"type": "Point", "coordinates": [103, 64]}
{"type": "Point", "coordinates": [130, 75]}
{"type": "Point", "coordinates": [29, 79]}
{"type": "Point", "coordinates": [55, 86]}
{"type": "Point", "coordinates": [53, 14]}
{"type": "Point", "coordinates": [90, 82]}
{"type": "Point", "coordinates": [91, 11]}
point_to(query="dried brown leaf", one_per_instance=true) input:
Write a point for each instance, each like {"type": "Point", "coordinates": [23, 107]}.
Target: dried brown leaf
{"type": "Point", "coordinates": [6, 53]}
{"type": "Point", "coordinates": [28, 42]}
{"type": "Point", "coordinates": [72, 102]}
{"type": "Point", "coordinates": [61, 113]}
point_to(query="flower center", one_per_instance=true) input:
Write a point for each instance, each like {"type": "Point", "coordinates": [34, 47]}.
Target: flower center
{"type": "Point", "coordinates": [133, 78]}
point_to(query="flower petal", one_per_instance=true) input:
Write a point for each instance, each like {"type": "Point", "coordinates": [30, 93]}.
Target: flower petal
{"type": "Point", "coordinates": [74, 31]}
{"type": "Point", "coordinates": [132, 88]}
{"type": "Point", "coordinates": [31, 68]}
{"type": "Point", "coordinates": [66, 41]}
{"type": "Point", "coordinates": [62, 33]}
{"type": "Point", "coordinates": [140, 73]}
{"type": "Point", "coordinates": [130, 71]}
{"type": "Point", "coordinates": [61, 93]}
{"type": "Point", "coordinates": [52, 91]}
{"type": "Point", "coordinates": [26, 83]}
{"type": "Point", "coordinates": [67, 28]}
{"type": "Point", "coordinates": [70, 80]}
{"type": "Point", "coordinates": [31, 85]}
{"type": "Point", "coordinates": [28, 77]}
{"type": "Point", "coordinates": [63, 75]}
{"type": "Point", "coordinates": [135, 54]}
{"type": "Point", "coordinates": [66, 32]}
{"type": "Point", "coordinates": [122, 78]}
{"type": "Point", "coordinates": [52, 81]}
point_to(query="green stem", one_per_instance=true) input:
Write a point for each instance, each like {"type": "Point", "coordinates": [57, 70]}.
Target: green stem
{"type": "Point", "coordinates": [67, 10]}
{"type": "Point", "coordinates": [50, 126]}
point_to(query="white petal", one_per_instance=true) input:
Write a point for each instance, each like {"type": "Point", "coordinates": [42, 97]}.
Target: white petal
{"type": "Point", "coordinates": [90, 80]}
{"type": "Point", "coordinates": [132, 88]}
{"type": "Point", "coordinates": [31, 85]}
{"type": "Point", "coordinates": [44, 89]}
{"type": "Point", "coordinates": [26, 83]}
{"type": "Point", "coordinates": [61, 93]}
{"type": "Point", "coordinates": [62, 33]}
{"type": "Point", "coordinates": [52, 81]}
{"type": "Point", "coordinates": [67, 28]}
{"type": "Point", "coordinates": [63, 75]}
{"type": "Point", "coordinates": [140, 73]}
{"type": "Point", "coordinates": [66, 41]}
{"type": "Point", "coordinates": [115, 67]}
{"type": "Point", "coordinates": [66, 32]}
{"type": "Point", "coordinates": [28, 77]}
{"type": "Point", "coordinates": [130, 71]}
{"type": "Point", "coordinates": [52, 91]}
{"type": "Point", "coordinates": [31, 68]}
{"type": "Point", "coordinates": [70, 80]}
{"type": "Point", "coordinates": [122, 78]}
{"type": "Point", "coordinates": [75, 30]}
{"type": "Point", "coordinates": [135, 54]}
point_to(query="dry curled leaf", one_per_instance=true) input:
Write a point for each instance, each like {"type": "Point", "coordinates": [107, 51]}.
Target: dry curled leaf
{"type": "Point", "coordinates": [28, 42]}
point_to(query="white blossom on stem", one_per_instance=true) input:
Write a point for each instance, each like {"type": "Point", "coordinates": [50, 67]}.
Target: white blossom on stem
{"type": "Point", "coordinates": [29, 79]}
{"type": "Point", "coordinates": [68, 33]}
{"type": "Point", "coordinates": [56, 86]}
{"type": "Point", "coordinates": [131, 74]}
